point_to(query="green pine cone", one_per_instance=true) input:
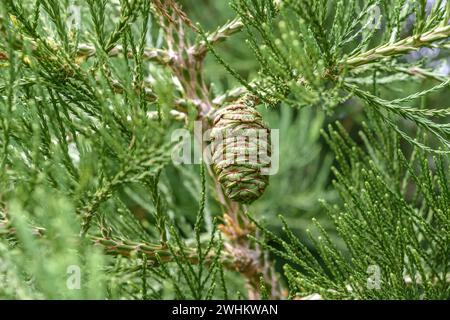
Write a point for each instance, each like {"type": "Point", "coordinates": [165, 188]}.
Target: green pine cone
{"type": "Point", "coordinates": [240, 145]}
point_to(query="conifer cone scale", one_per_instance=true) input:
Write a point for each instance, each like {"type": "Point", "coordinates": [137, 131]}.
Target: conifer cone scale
{"type": "Point", "coordinates": [240, 145]}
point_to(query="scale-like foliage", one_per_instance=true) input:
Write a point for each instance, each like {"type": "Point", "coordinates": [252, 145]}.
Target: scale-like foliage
{"type": "Point", "coordinates": [92, 205]}
{"type": "Point", "coordinates": [394, 220]}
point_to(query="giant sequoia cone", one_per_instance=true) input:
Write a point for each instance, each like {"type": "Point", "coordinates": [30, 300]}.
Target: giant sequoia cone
{"type": "Point", "coordinates": [240, 145]}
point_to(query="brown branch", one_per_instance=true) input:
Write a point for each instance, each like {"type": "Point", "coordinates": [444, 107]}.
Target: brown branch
{"type": "Point", "coordinates": [235, 257]}
{"type": "Point", "coordinates": [188, 67]}
{"type": "Point", "coordinates": [166, 7]}
{"type": "Point", "coordinates": [232, 258]}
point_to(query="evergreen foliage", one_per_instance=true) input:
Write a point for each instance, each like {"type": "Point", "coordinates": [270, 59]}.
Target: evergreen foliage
{"type": "Point", "coordinates": [93, 207]}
